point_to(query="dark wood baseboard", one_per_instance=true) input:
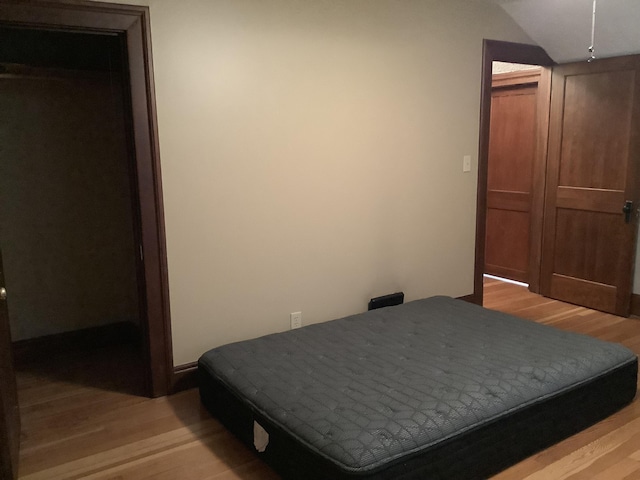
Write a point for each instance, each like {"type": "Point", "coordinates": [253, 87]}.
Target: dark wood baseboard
{"type": "Point", "coordinates": [635, 304]}
{"type": "Point", "coordinates": [185, 377]}
{"type": "Point", "coordinates": [471, 298]}
{"type": "Point", "coordinates": [39, 348]}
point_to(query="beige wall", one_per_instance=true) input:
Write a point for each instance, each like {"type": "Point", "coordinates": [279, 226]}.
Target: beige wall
{"type": "Point", "coordinates": [312, 156]}
{"type": "Point", "coordinates": [65, 222]}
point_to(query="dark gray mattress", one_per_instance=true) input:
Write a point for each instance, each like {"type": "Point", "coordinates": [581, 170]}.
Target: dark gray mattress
{"type": "Point", "coordinates": [362, 394]}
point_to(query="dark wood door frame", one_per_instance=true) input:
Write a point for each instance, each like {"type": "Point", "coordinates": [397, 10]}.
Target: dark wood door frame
{"type": "Point", "coordinates": [132, 23]}
{"type": "Point", "coordinates": [494, 50]}
{"type": "Point", "coordinates": [9, 413]}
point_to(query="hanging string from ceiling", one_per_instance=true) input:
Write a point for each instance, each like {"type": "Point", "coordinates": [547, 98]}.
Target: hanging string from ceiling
{"type": "Point", "coordinates": [592, 48]}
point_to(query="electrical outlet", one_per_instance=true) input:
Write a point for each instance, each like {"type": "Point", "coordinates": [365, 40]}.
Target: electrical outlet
{"type": "Point", "coordinates": [296, 320]}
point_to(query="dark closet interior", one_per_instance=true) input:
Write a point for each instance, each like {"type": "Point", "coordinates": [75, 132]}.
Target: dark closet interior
{"type": "Point", "coordinates": [67, 226]}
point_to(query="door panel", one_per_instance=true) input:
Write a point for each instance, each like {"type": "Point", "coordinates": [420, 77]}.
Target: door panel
{"type": "Point", "coordinates": [597, 118]}
{"type": "Point", "coordinates": [588, 248]}
{"type": "Point", "coordinates": [9, 416]}
{"type": "Point", "coordinates": [510, 173]}
{"type": "Point", "coordinates": [509, 228]}
{"type": "Point", "coordinates": [595, 261]}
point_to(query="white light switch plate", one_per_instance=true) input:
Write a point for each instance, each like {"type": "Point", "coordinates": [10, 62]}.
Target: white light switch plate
{"type": "Point", "coordinates": [466, 163]}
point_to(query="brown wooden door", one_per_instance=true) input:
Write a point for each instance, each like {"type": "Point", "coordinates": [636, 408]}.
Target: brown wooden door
{"type": "Point", "coordinates": [594, 148]}
{"type": "Point", "coordinates": [9, 416]}
{"type": "Point", "coordinates": [509, 178]}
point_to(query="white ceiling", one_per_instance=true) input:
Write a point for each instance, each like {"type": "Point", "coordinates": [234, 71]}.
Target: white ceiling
{"type": "Point", "coordinates": [563, 27]}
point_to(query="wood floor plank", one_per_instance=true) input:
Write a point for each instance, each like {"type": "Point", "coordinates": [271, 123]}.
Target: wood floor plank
{"type": "Point", "coordinates": [74, 427]}
{"type": "Point", "coordinates": [584, 458]}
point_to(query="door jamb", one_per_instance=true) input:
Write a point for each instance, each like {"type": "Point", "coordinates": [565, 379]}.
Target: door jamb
{"type": "Point", "coordinates": [495, 50]}
{"type": "Point", "coordinates": [133, 23]}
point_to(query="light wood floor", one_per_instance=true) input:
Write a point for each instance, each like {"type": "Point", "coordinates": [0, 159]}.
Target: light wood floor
{"type": "Point", "coordinates": [75, 427]}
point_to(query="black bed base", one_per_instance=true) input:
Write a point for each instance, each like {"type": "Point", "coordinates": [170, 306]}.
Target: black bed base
{"type": "Point", "coordinates": [476, 454]}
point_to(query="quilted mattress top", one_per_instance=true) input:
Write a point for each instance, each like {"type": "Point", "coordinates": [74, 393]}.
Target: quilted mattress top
{"type": "Point", "coordinates": [364, 390]}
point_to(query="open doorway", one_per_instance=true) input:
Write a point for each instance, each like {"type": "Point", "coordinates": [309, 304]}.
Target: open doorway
{"type": "Point", "coordinates": [512, 151]}
{"type": "Point", "coordinates": [130, 25]}
{"type": "Point", "coordinates": [510, 240]}
{"type": "Point", "coordinates": [601, 278]}
{"type": "Point", "coordinates": [494, 51]}
{"type": "Point", "coordinates": [67, 187]}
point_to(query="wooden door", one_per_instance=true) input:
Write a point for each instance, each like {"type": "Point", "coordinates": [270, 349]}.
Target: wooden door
{"type": "Point", "coordinates": [9, 414]}
{"type": "Point", "coordinates": [510, 172]}
{"type": "Point", "coordinates": [594, 148]}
